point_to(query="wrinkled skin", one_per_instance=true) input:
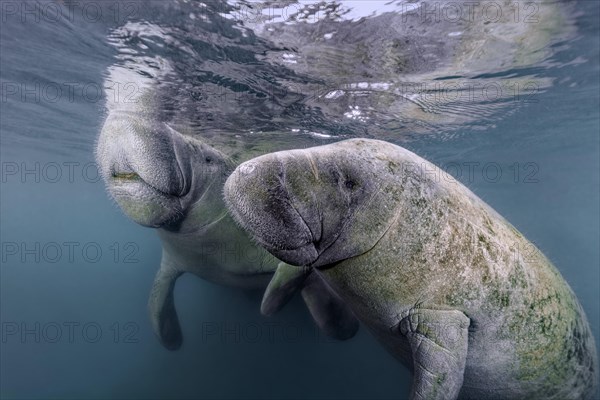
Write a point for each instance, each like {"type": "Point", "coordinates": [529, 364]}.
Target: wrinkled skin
{"type": "Point", "coordinates": [445, 283]}
{"type": "Point", "coordinates": [165, 180]}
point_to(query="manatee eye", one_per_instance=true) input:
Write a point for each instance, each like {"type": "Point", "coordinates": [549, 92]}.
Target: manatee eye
{"type": "Point", "coordinates": [349, 184]}
{"type": "Point", "coordinates": [208, 160]}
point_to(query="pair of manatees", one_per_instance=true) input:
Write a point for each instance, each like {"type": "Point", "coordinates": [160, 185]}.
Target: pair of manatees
{"type": "Point", "coordinates": [445, 283]}
{"type": "Point", "coordinates": [165, 180]}
{"type": "Point", "coordinates": [429, 268]}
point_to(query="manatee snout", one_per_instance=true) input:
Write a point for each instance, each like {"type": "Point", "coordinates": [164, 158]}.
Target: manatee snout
{"type": "Point", "coordinates": [258, 196]}
{"type": "Point", "coordinates": [142, 169]}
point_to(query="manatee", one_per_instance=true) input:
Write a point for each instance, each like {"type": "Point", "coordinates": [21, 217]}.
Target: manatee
{"type": "Point", "coordinates": [163, 179]}
{"type": "Point", "coordinates": [445, 283]}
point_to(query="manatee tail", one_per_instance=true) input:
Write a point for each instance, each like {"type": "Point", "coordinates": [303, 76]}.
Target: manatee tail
{"type": "Point", "coordinates": [161, 306]}
{"type": "Point", "coordinates": [329, 312]}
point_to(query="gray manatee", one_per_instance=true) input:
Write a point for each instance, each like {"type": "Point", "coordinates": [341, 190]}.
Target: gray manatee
{"type": "Point", "coordinates": [446, 284]}
{"type": "Point", "coordinates": [163, 179]}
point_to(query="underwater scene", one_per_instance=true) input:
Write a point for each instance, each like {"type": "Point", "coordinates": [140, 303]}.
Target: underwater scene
{"type": "Point", "coordinates": [299, 199]}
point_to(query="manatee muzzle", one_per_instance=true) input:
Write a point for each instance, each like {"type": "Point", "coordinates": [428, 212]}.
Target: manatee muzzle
{"type": "Point", "coordinates": [142, 203]}
{"type": "Point", "coordinates": [145, 169]}
{"type": "Point", "coordinates": [258, 199]}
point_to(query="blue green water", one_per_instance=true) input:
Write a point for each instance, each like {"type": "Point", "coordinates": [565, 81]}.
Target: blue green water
{"type": "Point", "coordinates": [75, 273]}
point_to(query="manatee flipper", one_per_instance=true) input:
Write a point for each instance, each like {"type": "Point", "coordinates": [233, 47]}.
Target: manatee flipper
{"type": "Point", "coordinates": [330, 313]}
{"type": "Point", "coordinates": [328, 310]}
{"type": "Point", "coordinates": [161, 306]}
{"type": "Point", "coordinates": [439, 342]}
{"type": "Point", "coordinates": [284, 284]}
